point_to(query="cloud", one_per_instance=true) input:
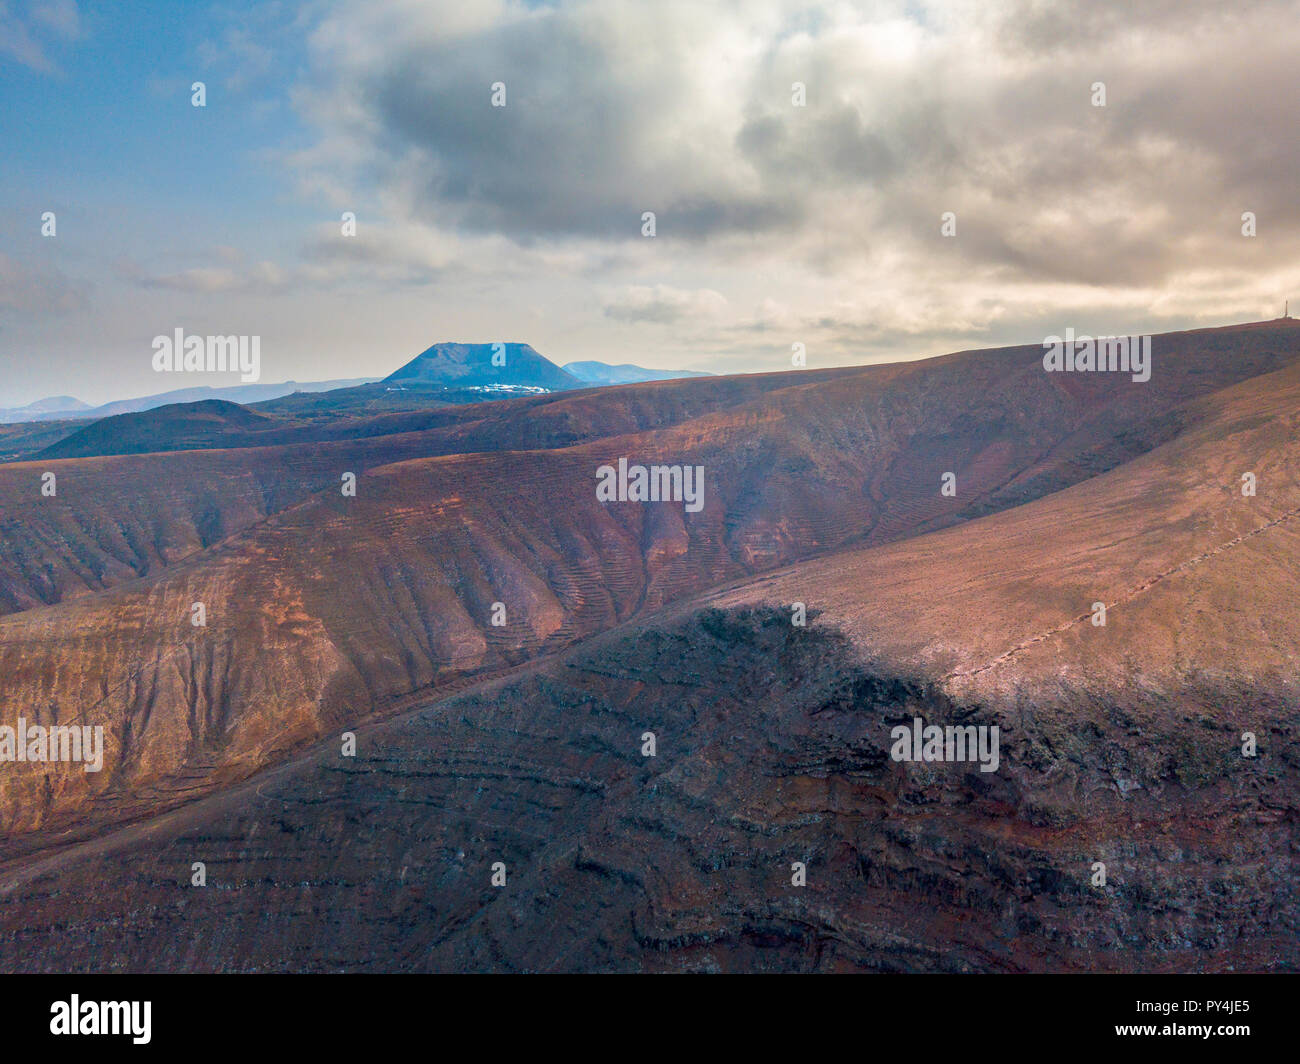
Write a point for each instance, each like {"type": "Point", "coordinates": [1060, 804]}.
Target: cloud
{"type": "Point", "coordinates": [610, 110]}
{"type": "Point", "coordinates": [375, 257]}
{"type": "Point", "coordinates": [33, 292]}
{"type": "Point", "coordinates": [912, 109]}
{"type": "Point", "coordinates": [254, 278]}
{"type": "Point", "coordinates": [375, 254]}
{"type": "Point", "coordinates": [775, 223]}
{"type": "Point", "coordinates": [235, 51]}
{"type": "Point", "coordinates": [27, 38]}
{"type": "Point", "coordinates": [60, 17]}
{"type": "Point", "coordinates": [662, 304]}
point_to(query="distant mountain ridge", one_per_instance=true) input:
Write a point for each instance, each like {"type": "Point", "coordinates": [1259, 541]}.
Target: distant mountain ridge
{"type": "Point", "coordinates": [50, 410]}
{"type": "Point", "coordinates": [603, 373]}
{"type": "Point", "coordinates": [61, 405]}
{"type": "Point", "coordinates": [452, 365]}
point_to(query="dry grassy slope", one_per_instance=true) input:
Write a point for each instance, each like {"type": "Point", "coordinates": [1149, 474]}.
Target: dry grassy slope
{"type": "Point", "coordinates": [331, 611]}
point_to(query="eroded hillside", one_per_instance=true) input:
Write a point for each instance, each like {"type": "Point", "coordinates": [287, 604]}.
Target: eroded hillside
{"type": "Point", "coordinates": [771, 750]}
{"type": "Point", "coordinates": [333, 611]}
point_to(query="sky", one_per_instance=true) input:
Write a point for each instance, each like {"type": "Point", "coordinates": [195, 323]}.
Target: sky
{"type": "Point", "coordinates": [778, 220]}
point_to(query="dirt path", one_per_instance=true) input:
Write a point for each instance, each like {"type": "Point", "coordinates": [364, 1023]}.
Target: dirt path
{"type": "Point", "coordinates": [1127, 596]}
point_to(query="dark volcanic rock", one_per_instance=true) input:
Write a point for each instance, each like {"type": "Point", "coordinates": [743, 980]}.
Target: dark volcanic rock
{"type": "Point", "coordinates": [772, 748]}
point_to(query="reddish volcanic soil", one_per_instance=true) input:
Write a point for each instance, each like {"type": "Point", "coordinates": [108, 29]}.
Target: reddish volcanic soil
{"type": "Point", "coordinates": [522, 744]}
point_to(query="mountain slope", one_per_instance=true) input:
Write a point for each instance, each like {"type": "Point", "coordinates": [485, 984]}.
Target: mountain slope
{"type": "Point", "coordinates": [1120, 745]}
{"type": "Point", "coordinates": [484, 365]}
{"type": "Point", "coordinates": [329, 609]}
{"type": "Point", "coordinates": [121, 518]}
{"type": "Point", "coordinates": [185, 426]}
{"type": "Point", "coordinates": [54, 405]}
{"type": "Point", "coordinates": [1169, 535]}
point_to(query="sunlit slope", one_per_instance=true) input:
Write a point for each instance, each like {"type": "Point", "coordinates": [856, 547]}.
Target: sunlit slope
{"type": "Point", "coordinates": [1200, 582]}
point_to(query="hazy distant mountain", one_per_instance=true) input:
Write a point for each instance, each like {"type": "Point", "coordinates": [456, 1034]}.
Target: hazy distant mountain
{"type": "Point", "coordinates": [49, 410]}
{"type": "Point", "coordinates": [59, 405]}
{"type": "Point", "coordinates": [471, 365]}
{"type": "Point", "coordinates": [465, 368]}
{"type": "Point", "coordinates": [625, 373]}
{"type": "Point", "coordinates": [54, 404]}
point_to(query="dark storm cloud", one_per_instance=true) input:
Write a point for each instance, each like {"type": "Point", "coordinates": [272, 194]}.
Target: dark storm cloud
{"type": "Point", "coordinates": [580, 148]}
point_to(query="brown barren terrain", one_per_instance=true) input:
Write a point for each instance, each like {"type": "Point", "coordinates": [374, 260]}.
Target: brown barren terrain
{"type": "Point", "coordinates": [1120, 744]}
